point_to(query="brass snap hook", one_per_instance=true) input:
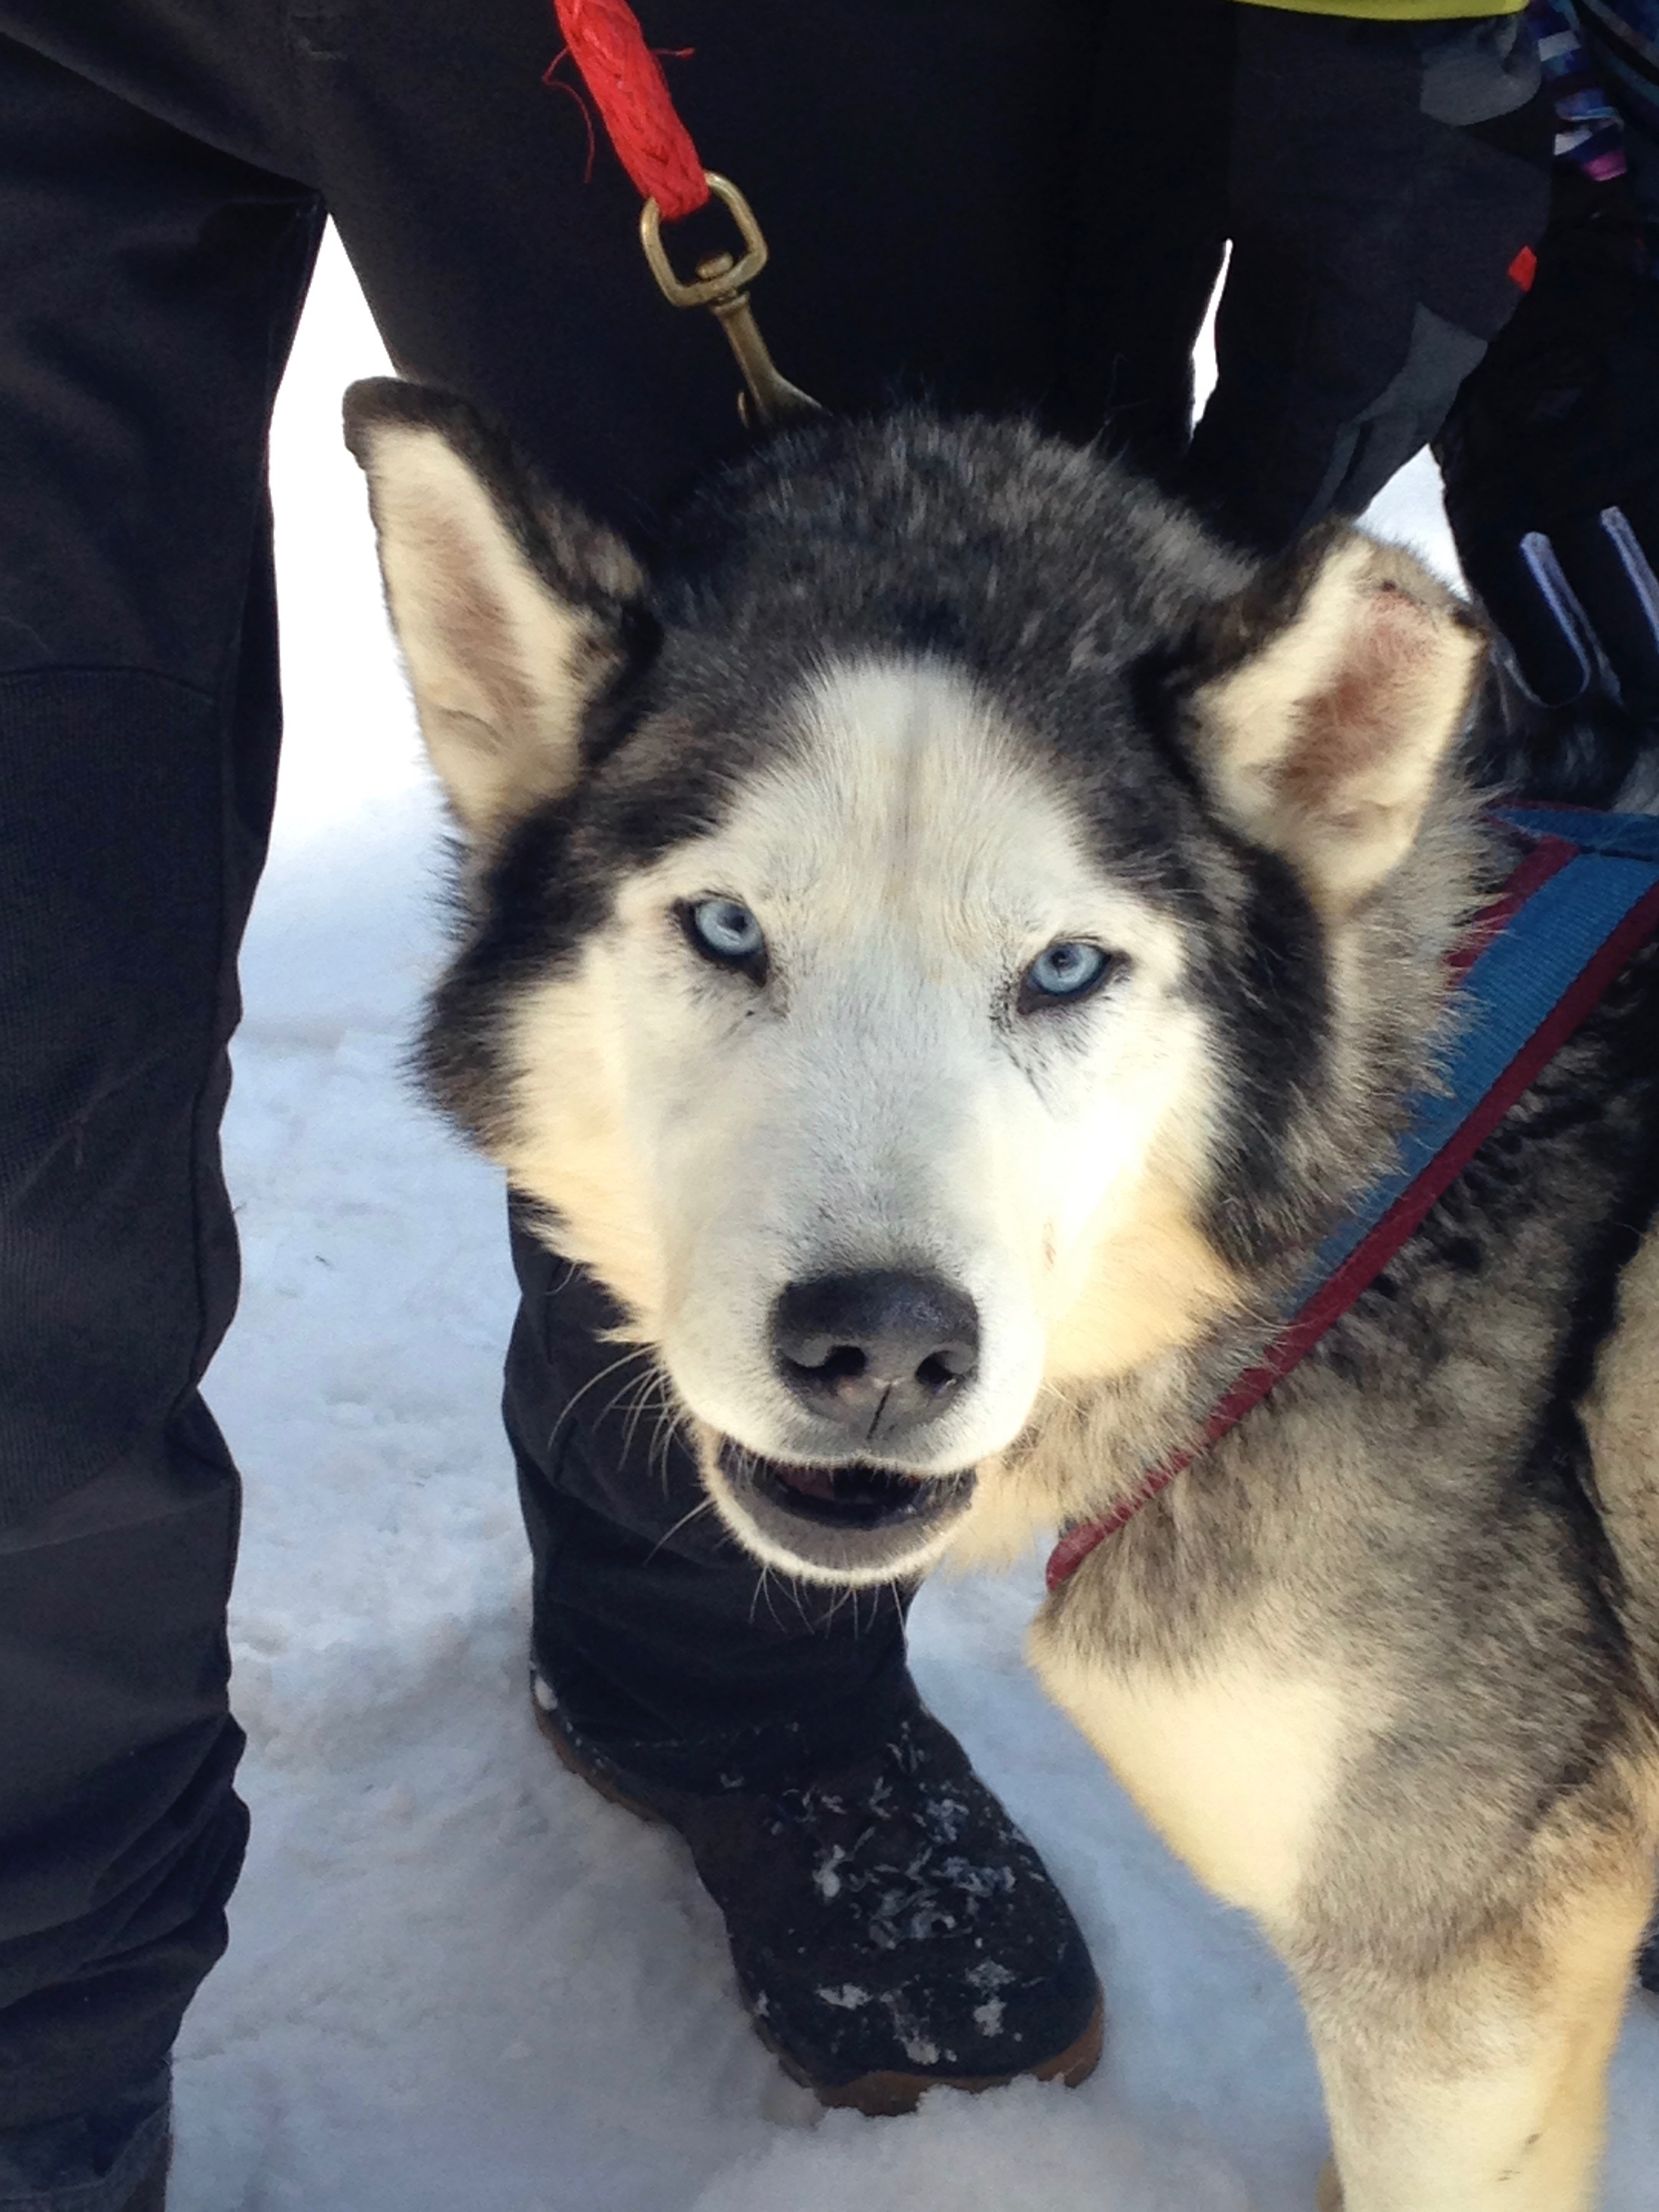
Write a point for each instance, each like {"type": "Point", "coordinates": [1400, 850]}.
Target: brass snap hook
{"type": "Point", "coordinates": [721, 284]}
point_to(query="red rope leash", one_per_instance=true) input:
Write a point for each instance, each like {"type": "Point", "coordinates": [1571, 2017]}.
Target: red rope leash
{"type": "Point", "coordinates": [631, 93]}
{"type": "Point", "coordinates": [625, 82]}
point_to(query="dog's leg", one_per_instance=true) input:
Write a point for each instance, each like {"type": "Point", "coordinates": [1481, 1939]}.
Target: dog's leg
{"type": "Point", "coordinates": [1482, 2091]}
{"type": "Point", "coordinates": [1462, 2000]}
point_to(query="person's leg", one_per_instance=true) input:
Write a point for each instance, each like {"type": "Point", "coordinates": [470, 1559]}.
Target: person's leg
{"type": "Point", "coordinates": [915, 170]}
{"type": "Point", "coordinates": [1375, 181]}
{"type": "Point", "coordinates": [458, 179]}
{"type": "Point", "coordinates": [921, 216]}
{"type": "Point", "coordinates": [890, 1925]}
{"type": "Point", "coordinates": [1383, 180]}
{"type": "Point", "coordinates": [921, 211]}
{"type": "Point", "coordinates": [149, 288]}
{"type": "Point", "coordinates": [1152, 215]}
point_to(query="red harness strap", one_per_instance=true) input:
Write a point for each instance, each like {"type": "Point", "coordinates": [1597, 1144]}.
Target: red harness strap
{"type": "Point", "coordinates": [1361, 1268]}
{"type": "Point", "coordinates": [626, 80]}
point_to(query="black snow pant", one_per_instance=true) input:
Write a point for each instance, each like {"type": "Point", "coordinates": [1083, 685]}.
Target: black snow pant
{"type": "Point", "coordinates": [999, 203]}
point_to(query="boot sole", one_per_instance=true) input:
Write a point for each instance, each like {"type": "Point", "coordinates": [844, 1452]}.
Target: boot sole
{"type": "Point", "coordinates": [888, 2095]}
{"type": "Point", "coordinates": [882, 2095]}
{"type": "Point", "coordinates": [597, 1780]}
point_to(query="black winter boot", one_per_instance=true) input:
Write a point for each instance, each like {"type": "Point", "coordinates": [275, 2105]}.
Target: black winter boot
{"type": "Point", "coordinates": [891, 1929]}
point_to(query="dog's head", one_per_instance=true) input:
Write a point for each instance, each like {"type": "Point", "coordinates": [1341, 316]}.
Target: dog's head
{"type": "Point", "coordinates": [903, 923]}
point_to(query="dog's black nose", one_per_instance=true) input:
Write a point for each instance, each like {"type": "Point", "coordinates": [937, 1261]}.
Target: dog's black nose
{"type": "Point", "coordinates": [880, 1353]}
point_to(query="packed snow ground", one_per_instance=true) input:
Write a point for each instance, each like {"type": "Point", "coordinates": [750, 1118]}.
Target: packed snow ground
{"type": "Point", "coordinates": [457, 1979]}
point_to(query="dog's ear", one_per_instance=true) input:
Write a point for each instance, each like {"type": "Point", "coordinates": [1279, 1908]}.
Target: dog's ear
{"type": "Point", "coordinates": [1330, 691]}
{"type": "Point", "coordinates": [512, 609]}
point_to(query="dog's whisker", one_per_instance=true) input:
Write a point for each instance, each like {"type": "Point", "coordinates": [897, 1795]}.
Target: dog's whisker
{"type": "Point", "coordinates": [635, 1392]}
{"type": "Point", "coordinates": [648, 1387]}
{"type": "Point", "coordinates": [670, 1422]}
{"type": "Point", "coordinates": [640, 1351]}
{"type": "Point", "coordinates": [704, 1505]}
{"type": "Point", "coordinates": [649, 1398]}
{"type": "Point", "coordinates": [764, 1589]}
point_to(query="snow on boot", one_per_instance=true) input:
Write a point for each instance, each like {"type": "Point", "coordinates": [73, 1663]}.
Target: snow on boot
{"type": "Point", "coordinates": [891, 1929]}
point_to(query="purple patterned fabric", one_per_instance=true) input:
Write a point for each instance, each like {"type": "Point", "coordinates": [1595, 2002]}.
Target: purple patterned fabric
{"type": "Point", "coordinates": [1589, 128]}
{"type": "Point", "coordinates": [1622, 39]}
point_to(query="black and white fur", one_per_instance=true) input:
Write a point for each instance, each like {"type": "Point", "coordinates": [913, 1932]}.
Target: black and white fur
{"type": "Point", "coordinates": [942, 944]}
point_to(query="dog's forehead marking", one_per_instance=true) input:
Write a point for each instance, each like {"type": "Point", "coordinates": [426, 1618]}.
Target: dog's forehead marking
{"type": "Point", "coordinates": [896, 759]}
{"type": "Point", "coordinates": [906, 796]}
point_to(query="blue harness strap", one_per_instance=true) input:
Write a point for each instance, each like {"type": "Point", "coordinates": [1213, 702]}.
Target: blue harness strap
{"type": "Point", "coordinates": [1513, 984]}
{"type": "Point", "coordinates": [1581, 904]}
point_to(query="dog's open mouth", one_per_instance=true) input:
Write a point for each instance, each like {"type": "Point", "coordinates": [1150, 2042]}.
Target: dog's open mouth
{"type": "Point", "coordinates": [858, 1496]}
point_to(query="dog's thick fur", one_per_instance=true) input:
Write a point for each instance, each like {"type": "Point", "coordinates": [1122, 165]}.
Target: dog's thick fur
{"type": "Point", "coordinates": [911, 702]}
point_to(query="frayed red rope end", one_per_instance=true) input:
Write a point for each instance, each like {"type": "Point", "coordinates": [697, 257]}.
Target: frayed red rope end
{"type": "Point", "coordinates": [554, 82]}
{"type": "Point", "coordinates": [625, 81]}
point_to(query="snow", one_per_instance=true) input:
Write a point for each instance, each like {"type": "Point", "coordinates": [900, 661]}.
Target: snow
{"type": "Point", "coordinates": [456, 1977]}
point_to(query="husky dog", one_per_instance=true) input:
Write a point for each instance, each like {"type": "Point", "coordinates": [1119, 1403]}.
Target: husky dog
{"type": "Point", "coordinates": [942, 946]}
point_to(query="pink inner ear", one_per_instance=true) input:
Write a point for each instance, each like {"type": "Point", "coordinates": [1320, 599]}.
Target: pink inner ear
{"type": "Point", "coordinates": [475, 633]}
{"type": "Point", "coordinates": [1369, 710]}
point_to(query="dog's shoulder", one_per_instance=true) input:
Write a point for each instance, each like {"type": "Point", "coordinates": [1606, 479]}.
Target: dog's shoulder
{"type": "Point", "coordinates": [1508, 1355]}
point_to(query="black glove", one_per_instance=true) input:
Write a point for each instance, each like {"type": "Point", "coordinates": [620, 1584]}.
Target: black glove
{"type": "Point", "coordinates": [1551, 459]}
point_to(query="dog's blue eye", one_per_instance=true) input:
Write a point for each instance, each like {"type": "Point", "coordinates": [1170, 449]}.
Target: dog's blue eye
{"type": "Point", "coordinates": [1066, 971]}
{"type": "Point", "coordinates": [723, 930]}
